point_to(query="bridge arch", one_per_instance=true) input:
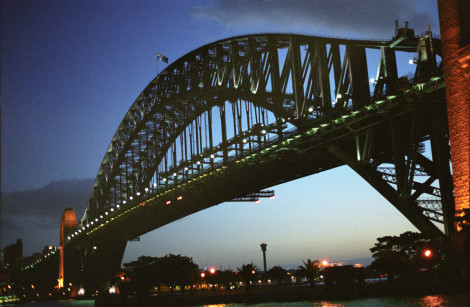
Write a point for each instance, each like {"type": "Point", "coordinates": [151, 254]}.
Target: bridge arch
{"type": "Point", "coordinates": [245, 67]}
{"type": "Point", "coordinates": [286, 106]}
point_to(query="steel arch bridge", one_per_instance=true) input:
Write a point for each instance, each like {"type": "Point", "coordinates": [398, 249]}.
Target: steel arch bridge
{"type": "Point", "coordinates": [234, 117]}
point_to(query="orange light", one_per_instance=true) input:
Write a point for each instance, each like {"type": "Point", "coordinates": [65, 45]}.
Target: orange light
{"type": "Point", "coordinates": [203, 274]}
{"type": "Point", "coordinates": [212, 270]}
{"type": "Point", "coordinates": [324, 263]}
{"type": "Point", "coordinates": [427, 253]}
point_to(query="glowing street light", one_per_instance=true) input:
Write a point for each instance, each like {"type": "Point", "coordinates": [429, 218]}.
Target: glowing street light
{"type": "Point", "coordinates": [324, 263]}
{"type": "Point", "coordinates": [212, 270]}
{"type": "Point", "coordinates": [427, 253]}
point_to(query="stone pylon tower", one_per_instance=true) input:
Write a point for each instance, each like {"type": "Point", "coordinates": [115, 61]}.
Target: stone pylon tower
{"type": "Point", "coordinates": [455, 32]}
{"type": "Point", "coordinates": [455, 35]}
{"type": "Point", "coordinates": [67, 226]}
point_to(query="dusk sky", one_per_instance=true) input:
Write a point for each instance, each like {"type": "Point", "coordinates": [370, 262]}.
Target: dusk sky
{"type": "Point", "coordinates": [70, 70]}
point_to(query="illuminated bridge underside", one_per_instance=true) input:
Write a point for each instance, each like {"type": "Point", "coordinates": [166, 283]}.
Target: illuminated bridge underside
{"type": "Point", "coordinates": [246, 113]}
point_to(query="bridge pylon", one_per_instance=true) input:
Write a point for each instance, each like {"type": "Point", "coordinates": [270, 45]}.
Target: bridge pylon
{"type": "Point", "coordinates": [67, 226]}
{"type": "Point", "coordinates": [455, 32]}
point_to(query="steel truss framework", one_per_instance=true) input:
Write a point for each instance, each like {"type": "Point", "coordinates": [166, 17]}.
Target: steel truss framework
{"type": "Point", "coordinates": [295, 105]}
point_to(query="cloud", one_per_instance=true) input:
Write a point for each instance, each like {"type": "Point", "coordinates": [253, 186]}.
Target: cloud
{"type": "Point", "coordinates": [34, 215]}
{"type": "Point", "coordinates": [345, 18]}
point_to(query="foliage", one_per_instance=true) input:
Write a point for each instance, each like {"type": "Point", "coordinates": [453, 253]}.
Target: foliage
{"type": "Point", "coordinates": [222, 278]}
{"type": "Point", "coordinates": [309, 270]}
{"type": "Point", "coordinates": [248, 273]}
{"type": "Point", "coordinates": [170, 270]}
{"type": "Point", "coordinates": [400, 255]}
{"type": "Point", "coordinates": [277, 274]}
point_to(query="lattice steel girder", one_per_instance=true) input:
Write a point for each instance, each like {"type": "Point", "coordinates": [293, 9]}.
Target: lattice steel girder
{"type": "Point", "coordinates": [404, 204]}
{"type": "Point", "coordinates": [441, 151]}
{"type": "Point", "coordinates": [255, 196]}
{"type": "Point", "coordinates": [230, 69]}
{"type": "Point", "coordinates": [387, 75]}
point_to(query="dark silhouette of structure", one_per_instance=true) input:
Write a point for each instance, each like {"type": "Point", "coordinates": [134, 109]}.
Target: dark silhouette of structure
{"type": "Point", "coordinates": [345, 278]}
{"type": "Point", "coordinates": [263, 249]}
{"type": "Point", "coordinates": [13, 254]}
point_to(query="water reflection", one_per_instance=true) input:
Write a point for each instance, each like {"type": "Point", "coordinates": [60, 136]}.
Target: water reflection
{"type": "Point", "coordinates": [432, 301]}
{"type": "Point", "coordinates": [413, 301]}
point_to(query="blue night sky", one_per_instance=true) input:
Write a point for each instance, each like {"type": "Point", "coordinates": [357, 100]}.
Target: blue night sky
{"type": "Point", "coordinates": [70, 70]}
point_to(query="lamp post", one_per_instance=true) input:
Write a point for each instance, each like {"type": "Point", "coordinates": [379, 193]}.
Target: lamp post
{"type": "Point", "coordinates": [263, 249]}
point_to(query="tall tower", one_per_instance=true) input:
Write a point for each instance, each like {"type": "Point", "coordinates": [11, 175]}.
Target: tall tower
{"type": "Point", "coordinates": [67, 226]}
{"type": "Point", "coordinates": [263, 249]}
{"type": "Point", "coordinates": [455, 32]}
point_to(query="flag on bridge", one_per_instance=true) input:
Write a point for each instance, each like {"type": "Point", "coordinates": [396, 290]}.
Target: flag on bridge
{"type": "Point", "coordinates": [162, 58]}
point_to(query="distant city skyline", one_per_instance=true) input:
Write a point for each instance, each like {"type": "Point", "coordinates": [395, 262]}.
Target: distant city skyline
{"type": "Point", "coordinates": [71, 70]}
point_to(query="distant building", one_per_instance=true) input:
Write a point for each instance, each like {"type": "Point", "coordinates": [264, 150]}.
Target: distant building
{"type": "Point", "coordinates": [349, 277]}
{"type": "Point", "coordinates": [13, 254]}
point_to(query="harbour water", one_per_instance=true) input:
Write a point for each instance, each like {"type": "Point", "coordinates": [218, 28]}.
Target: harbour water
{"type": "Point", "coordinates": [405, 301]}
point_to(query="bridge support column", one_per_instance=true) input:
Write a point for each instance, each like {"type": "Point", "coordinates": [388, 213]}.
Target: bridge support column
{"type": "Point", "coordinates": [67, 226]}
{"type": "Point", "coordinates": [101, 261]}
{"type": "Point", "coordinates": [455, 32]}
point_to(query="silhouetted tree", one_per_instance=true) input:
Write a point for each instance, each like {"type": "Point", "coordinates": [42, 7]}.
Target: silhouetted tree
{"type": "Point", "coordinates": [277, 274]}
{"type": "Point", "coordinates": [142, 274]}
{"type": "Point", "coordinates": [176, 270]}
{"type": "Point", "coordinates": [309, 270]}
{"type": "Point", "coordinates": [222, 277]}
{"type": "Point", "coordinates": [170, 270]}
{"type": "Point", "coordinates": [248, 273]}
{"type": "Point", "coordinates": [400, 255]}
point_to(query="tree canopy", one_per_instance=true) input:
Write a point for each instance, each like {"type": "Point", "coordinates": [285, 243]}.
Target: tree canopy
{"type": "Point", "coordinates": [248, 273]}
{"type": "Point", "coordinates": [399, 255]}
{"type": "Point", "coordinates": [309, 270]}
{"type": "Point", "coordinates": [170, 270]}
{"type": "Point", "coordinates": [277, 274]}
